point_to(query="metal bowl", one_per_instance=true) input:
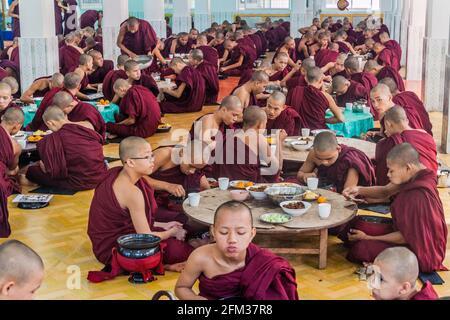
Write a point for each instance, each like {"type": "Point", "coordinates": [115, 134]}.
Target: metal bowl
{"type": "Point", "coordinates": [279, 194]}
{"type": "Point", "coordinates": [138, 254]}
{"type": "Point", "coordinates": [144, 61]}
{"type": "Point", "coordinates": [138, 241]}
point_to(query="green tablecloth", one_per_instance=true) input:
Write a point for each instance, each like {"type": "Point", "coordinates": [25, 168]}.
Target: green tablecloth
{"type": "Point", "coordinates": [107, 114]}
{"type": "Point", "coordinates": [355, 124]}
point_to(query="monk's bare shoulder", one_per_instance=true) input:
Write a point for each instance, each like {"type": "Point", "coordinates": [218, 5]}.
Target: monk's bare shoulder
{"type": "Point", "coordinates": [85, 124]}
{"type": "Point", "coordinates": [202, 255]}
{"type": "Point", "coordinates": [126, 193]}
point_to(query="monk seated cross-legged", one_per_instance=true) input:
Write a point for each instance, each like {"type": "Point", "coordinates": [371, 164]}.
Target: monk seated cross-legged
{"type": "Point", "coordinates": [21, 271]}
{"type": "Point", "coordinates": [11, 123]}
{"type": "Point", "coordinates": [6, 98]}
{"type": "Point", "coordinates": [124, 204]}
{"type": "Point", "coordinates": [395, 277]}
{"type": "Point", "coordinates": [381, 72]}
{"type": "Point", "coordinates": [41, 86]}
{"type": "Point", "coordinates": [311, 102]}
{"type": "Point", "coordinates": [140, 114]}
{"type": "Point", "coordinates": [234, 267]}
{"type": "Point", "coordinates": [398, 131]}
{"type": "Point", "coordinates": [69, 54]}
{"type": "Point", "coordinates": [353, 68]}
{"type": "Point", "coordinates": [348, 91]}
{"type": "Point", "coordinates": [136, 77]}
{"type": "Point", "coordinates": [414, 188]}
{"type": "Point", "coordinates": [71, 157]}
{"type": "Point", "coordinates": [113, 76]}
{"type": "Point", "coordinates": [189, 96]}
{"type": "Point", "coordinates": [100, 68]}
{"type": "Point", "coordinates": [299, 78]}
{"type": "Point", "coordinates": [341, 165]}
{"type": "Point", "coordinates": [252, 91]}
{"type": "Point", "coordinates": [177, 45]}
{"type": "Point", "coordinates": [241, 59]}
{"type": "Point", "coordinates": [242, 154]}
{"type": "Point", "coordinates": [77, 111]}
{"type": "Point", "coordinates": [210, 54]}
{"type": "Point", "coordinates": [209, 73]}
{"type": "Point", "coordinates": [280, 116]}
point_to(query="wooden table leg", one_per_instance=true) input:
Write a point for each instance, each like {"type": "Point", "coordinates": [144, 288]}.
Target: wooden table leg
{"type": "Point", "coordinates": [323, 249]}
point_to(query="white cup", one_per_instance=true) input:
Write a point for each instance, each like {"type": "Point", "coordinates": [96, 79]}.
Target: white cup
{"type": "Point", "coordinates": [313, 183]}
{"type": "Point", "coordinates": [366, 110]}
{"type": "Point", "coordinates": [171, 56]}
{"type": "Point", "coordinates": [101, 108]}
{"type": "Point", "coordinates": [349, 106]}
{"type": "Point", "coordinates": [324, 211]}
{"type": "Point", "coordinates": [306, 132]}
{"type": "Point", "coordinates": [194, 199]}
{"type": "Point", "coordinates": [223, 183]}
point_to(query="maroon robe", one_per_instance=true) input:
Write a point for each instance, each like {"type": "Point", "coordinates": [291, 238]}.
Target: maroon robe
{"type": "Point", "coordinates": [220, 50]}
{"type": "Point", "coordinates": [325, 56]}
{"type": "Point", "coordinates": [210, 54]}
{"type": "Point", "coordinates": [60, 152]}
{"type": "Point", "coordinates": [10, 105]}
{"type": "Point", "coordinates": [87, 112]}
{"type": "Point", "coordinates": [249, 59]}
{"type": "Point", "coordinates": [311, 104]}
{"type": "Point", "coordinates": [148, 82]}
{"type": "Point", "coordinates": [89, 18]}
{"type": "Point", "coordinates": [389, 72]}
{"type": "Point", "coordinates": [355, 92]}
{"type": "Point", "coordinates": [16, 22]}
{"type": "Point", "coordinates": [349, 158]}
{"type": "Point", "coordinates": [98, 76]}
{"type": "Point", "coordinates": [180, 49]}
{"type": "Point", "coordinates": [70, 17]}
{"type": "Point", "coordinates": [409, 101]}
{"type": "Point", "coordinates": [425, 234]}
{"type": "Point", "coordinates": [84, 81]}
{"type": "Point", "coordinates": [258, 43]}
{"type": "Point", "coordinates": [209, 73]}
{"type": "Point", "coordinates": [426, 293]}
{"type": "Point", "coordinates": [395, 47]}
{"type": "Point", "coordinates": [143, 41]}
{"type": "Point", "coordinates": [142, 105]}
{"type": "Point", "coordinates": [193, 96]}
{"type": "Point", "coordinates": [420, 140]}
{"type": "Point", "coordinates": [110, 79]}
{"type": "Point", "coordinates": [264, 43]}
{"type": "Point", "coordinates": [343, 48]}
{"type": "Point", "coordinates": [264, 277]}
{"type": "Point", "coordinates": [368, 80]}
{"type": "Point", "coordinates": [3, 74]}
{"type": "Point", "coordinates": [58, 19]}
{"type": "Point", "coordinates": [288, 120]}
{"type": "Point", "coordinates": [414, 118]}
{"type": "Point", "coordinates": [6, 184]}
{"type": "Point", "coordinates": [297, 80]}
{"type": "Point", "coordinates": [69, 58]}
{"type": "Point", "coordinates": [279, 76]}
{"type": "Point", "coordinates": [389, 58]}
{"type": "Point", "coordinates": [108, 221]}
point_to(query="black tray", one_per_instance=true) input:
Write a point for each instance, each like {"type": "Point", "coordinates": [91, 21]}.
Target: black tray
{"type": "Point", "coordinates": [32, 205]}
{"type": "Point", "coordinates": [163, 130]}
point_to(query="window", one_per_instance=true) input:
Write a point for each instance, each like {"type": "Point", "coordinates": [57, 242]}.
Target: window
{"type": "Point", "coordinates": [356, 4]}
{"type": "Point", "coordinates": [264, 4]}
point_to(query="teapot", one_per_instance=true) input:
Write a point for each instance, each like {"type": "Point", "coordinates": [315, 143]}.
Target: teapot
{"type": "Point", "coordinates": [443, 179]}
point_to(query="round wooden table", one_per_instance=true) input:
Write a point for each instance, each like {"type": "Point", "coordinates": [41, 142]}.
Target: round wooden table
{"type": "Point", "coordinates": [307, 225]}
{"type": "Point", "coordinates": [368, 148]}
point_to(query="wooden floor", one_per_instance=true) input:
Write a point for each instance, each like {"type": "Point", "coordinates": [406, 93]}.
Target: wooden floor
{"type": "Point", "coordinates": [58, 234]}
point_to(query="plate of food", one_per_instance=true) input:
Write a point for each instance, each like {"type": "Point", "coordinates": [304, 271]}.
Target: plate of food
{"type": "Point", "coordinates": [258, 191]}
{"type": "Point", "coordinates": [164, 127]}
{"type": "Point", "coordinates": [213, 183]}
{"type": "Point", "coordinates": [295, 208]}
{"type": "Point", "coordinates": [103, 103]}
{"type": "Point", "coordinates": [241, 184]}
{"type": "Point", "coordinates": [310, 196]}
{"type": "Point", "coordinates": [34, 139]}
{"type": "Point", "coordinates": [275, 218]}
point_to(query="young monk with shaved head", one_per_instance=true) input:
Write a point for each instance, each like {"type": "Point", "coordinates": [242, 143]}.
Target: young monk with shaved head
{"type": "Point", "coordinates": [83, 70]}
{"type": "Point", "coordinates": [233, 267]}
{"type": "Point", "coordinates": [381, 72]}
{"type": "Point", "coordinates": [337, 68]}
{"type": "Point", "coordinates": [344, 166]}
{"type": "Point", "coordinates": [280, 116]}
{"type": "Point", "coordinates": [71, 157]}
{"type": "Point", "coordinates": [113, 76]}
{"type": "Point", "coordinates": [140, 114]}
{"type": "Point", "coordinates": [252, 91]}
{"type": "Point", "coordinates": [208, 72]}
{"type": "Point", "coordinates": [353, 69]}
{"type": "Point", "coordinates": [124, 204]}
{"type": "Point", "coordinates": [136, 77]}
{"type": "Point", "coordinates": [41, 86]}
{"type": "Point", "coordinates": [398, 131]}
{"type": "Point", "coordinates": [136, 37]}
{"type": "Point", "coordinates": [100, 68]}
{"type": "Point", "coordinates": [210, 54]}
{"type": "Point", "coordinates": [348, 91]}
{"type": "Point", "coordinates": [414, 187]}
{"type": "Point", "coordinates": [6, 98]}
{"type": "Point", "coordinates": [395, 277]}
{"type": "Point", "coordinates": [21, 271]}
{"type": "Point", "coordinates": [241, 58]}
{"type": "Point", "coordinates": [311, 102]}
{"type": "Point", "coordinates": [288, 47]}
{"type": "Point", "coordinates": [11, 123]}
{"type": "Point", "coordinates": [300, 79]}
{"type": "Point", "coordinates": [386, 57]}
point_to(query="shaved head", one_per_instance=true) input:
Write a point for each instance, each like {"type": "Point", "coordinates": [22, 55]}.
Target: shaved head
{"type": "Point", "coordinates": [122, 59]}
{"type": "Point", "coordinates": [130, 65]}
{"type": "Point", "coordinates": [197, 55]}
{"type": "Point", "coordinates": [131, 147]}
{"type": "Point", "coordinates": [401, 263]}
{"type": "Point", "coordinates": [18, 262]}
{"type": "Point", "coordinates": [4, 87]}
{"type": "Point", "coordinates": [58, 80]}
{"type": "Point", "coordinates": [120, 84]}
{"type": "Point", "coordinates": [325, 141]}
{"type": "Point", "coordinates": [260, 76]}
{"type": "Point", "coordinates": [334, 47]}
{"type": "Point", "coordinates": [234, 207]}
{"type": "Point", "coordinates": [396, 115]}
{"type": "Point", "coordinates": [371, 65]}
{"type": "Point", "coordinates": [54, 113]}
{"type": "Point", "coordinates": [231, 103]}
{"type": "Point", "coordinates": [314, 75]}
{"type": "Point", "coordinates": [381, 89]}
{"type": "Point", "coordinates": [13, 116]}
{"type": "Point", "coordinates": [12, 82]}
{"type": "Point", "coordinates": [308, 63]}
{"type": "Point", "coordinates": [85, 59]}
{"type": "Point", "coordinates": [132, 22]}
{"type": "Point", "coordinates": [352, 64]}
{"type": "Point", "coordinates": [340, 83]}
{"type": "Point", "coordinates": [95, 54]}
{"type": "Point", "coordinates": [253, 116]}
{"type": "Point", "coordinates": [404, 154]}
{"type": "Point", "coordinates": [176, 61]}
{"type": "Point", "coordinates": [278, 97]}
{"type": "Point", "coordinates": [72, 81]}
{"type": "Point", "coordinates": [281, 55]}
{"type": "Point", "coordinates": [391, 84]}
{"type": "Point", "coordinates": [62, 99]}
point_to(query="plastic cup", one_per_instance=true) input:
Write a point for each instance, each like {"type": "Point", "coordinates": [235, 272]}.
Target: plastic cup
{"type": "Point", "coordinates": [101, 108]}
{"type": "Point", "coordinates": [194, 199]}
{"type": "Point", "coordinates": [223, 183]}
{"type": "Point", "coordinates": [349, 106]}
{"type": "Point", "coordinates": [324, 211]}
{"type": "Point", "coordinates": [22, 143]}
{"type": "Point", "coordinates": [313, 183]}
{"type": "Point", "coordinates": [306, 132]}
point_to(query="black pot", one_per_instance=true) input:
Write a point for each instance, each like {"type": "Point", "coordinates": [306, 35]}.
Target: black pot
{"type": "Point", "coordinates": [138, 241]}
{"type": "Point", "coordinates": [138, 254]}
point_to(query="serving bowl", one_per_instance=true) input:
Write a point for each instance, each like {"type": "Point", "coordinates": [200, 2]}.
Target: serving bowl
{"type": "Point", "coordinates": [279, 194]}
{"type": "Point", "coordinates": [239, 195]}
{"type": "Point", "coordinates": [295, 212]}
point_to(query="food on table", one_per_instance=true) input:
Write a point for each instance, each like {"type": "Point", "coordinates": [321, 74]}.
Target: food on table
{"type": "Point", "coordinates": [39, 133]}
{"type": "Point", "coordinates": [294, 205]}
{"type": "Point", "coordinates": [306, 139]}
{"type": "Point", "coordinates": [243, 184]}
{"type": "Point", "coordinates": [276, 218]}
{"type": "Point", "coordinates": [310, 196]}
{"type": "Point", "coordinates": [258, 188]}
{"type": "Point", "coordinates": [213, 183]}
{"type": "Point", "coordinates": [322, 199]}
{"type": "Point", "coordinates": [164, 125]}
{"type": "Point", "coordinates": [270, 140]}
{"type": "Point", "coordinates": [104, 102]}
{"type": "Point", "coordinates": [34, 138]}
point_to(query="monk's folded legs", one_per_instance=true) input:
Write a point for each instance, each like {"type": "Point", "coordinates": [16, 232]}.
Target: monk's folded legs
{"type": "Point", "coordinates": [124, 131]}
{"type": "Point", "coordinates": [36, 175]}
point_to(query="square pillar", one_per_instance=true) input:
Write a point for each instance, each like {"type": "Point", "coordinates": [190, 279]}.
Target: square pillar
{"type": "Point", "coordinates": [38, 45]}
{"type": "Point", "coordinates": [298, 16]}
{"type": "Point", "coordinates": [182, 20]}
{"type": "Point", "coordinates": [114, 13]}
{"type": "Point", "coordinates": [202, 15]}
{"type": "Point", "coordinates": [416, 34]}
{"type": "Point", "coordinates": [223, 10]}
{"type": "Point", "coordinates": [445, 146]}
{"type": "Point", "coordinates": [154, 13]}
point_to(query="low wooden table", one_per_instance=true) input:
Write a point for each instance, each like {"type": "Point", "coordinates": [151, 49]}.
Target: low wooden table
{"type": "Point", "coordinates": [368, 148]}
{"type": "Point", "coordinates": [307, 225]}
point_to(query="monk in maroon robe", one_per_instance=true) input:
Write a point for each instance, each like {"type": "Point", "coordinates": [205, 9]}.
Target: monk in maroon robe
{"type": "Point", "coordinates": [325, 56]}
{"type": "Point", "coordinates": [385, 72]}
{"type": "Point", "coordinates": [264, 276]}
{"type": "Point", "coordinates": [140, 112]}
{"type": "Point", "coordinates": [113, 215]}
{"type": "Point", "coordinates": [136, 37]}
{"type": "Point", "coordinates": [61, 165]}
{"type": "Point", "coordinates": [241, 58]}
{"type": "Point", "coordinates": [69, 55]}
{"type": "Point", "coordinates": [391, 44]}
{"type": "Point", "coordinates": [252, 93]}
{"type": "Point", "coordinates": [353, 68]}
{"type": "Point", "coordinates": [386, 57]}
{"type": "Point", "coordinates": [398, 131]}
{"type": "Point", "coordinates": [218, 44]}
{"type": "Point", "coordinates": [190, 93]}
{"type": "Point", "coordinates": [11, 122]}
{"type": "Point", "coordinates": [210, 54]}
{"type": "Point", "coordinates": [5, 104]}
{"type": "Point", "coordinates": [90, 17]}
{"type": "Point", "coordinates": [280, 116]}
{"type": "Point", "coordinates": [209, 74]}
{"type": "Point", "coordinates": [101, 68]}
{"type": "Point", "coordinates": [348, 91]}
{"type": "Point", "coordinates": [414, 192]}
{"type": "Point", "coordinates": [136, 77]}
{"type": "Point", "coordinates": [344, 166]}
{"type": "Point", "coordinates": [299, 78]}
{"type": "Point", "coordinates": [177, 45]}
{"type": "Point", "coordinates": [113, 75]}
{"type": "Point", "coordinates": [311, 102]}
{"type": "Point", "coordinates": [41, 86]}
{"type": "Point", "coordinates": [289, 48]}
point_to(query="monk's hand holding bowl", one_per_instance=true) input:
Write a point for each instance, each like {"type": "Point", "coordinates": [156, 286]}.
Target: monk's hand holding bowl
{"type": "Point", "coordinates": [357, 235]}
{"type": "Point", "coordinates": [176, 190]}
